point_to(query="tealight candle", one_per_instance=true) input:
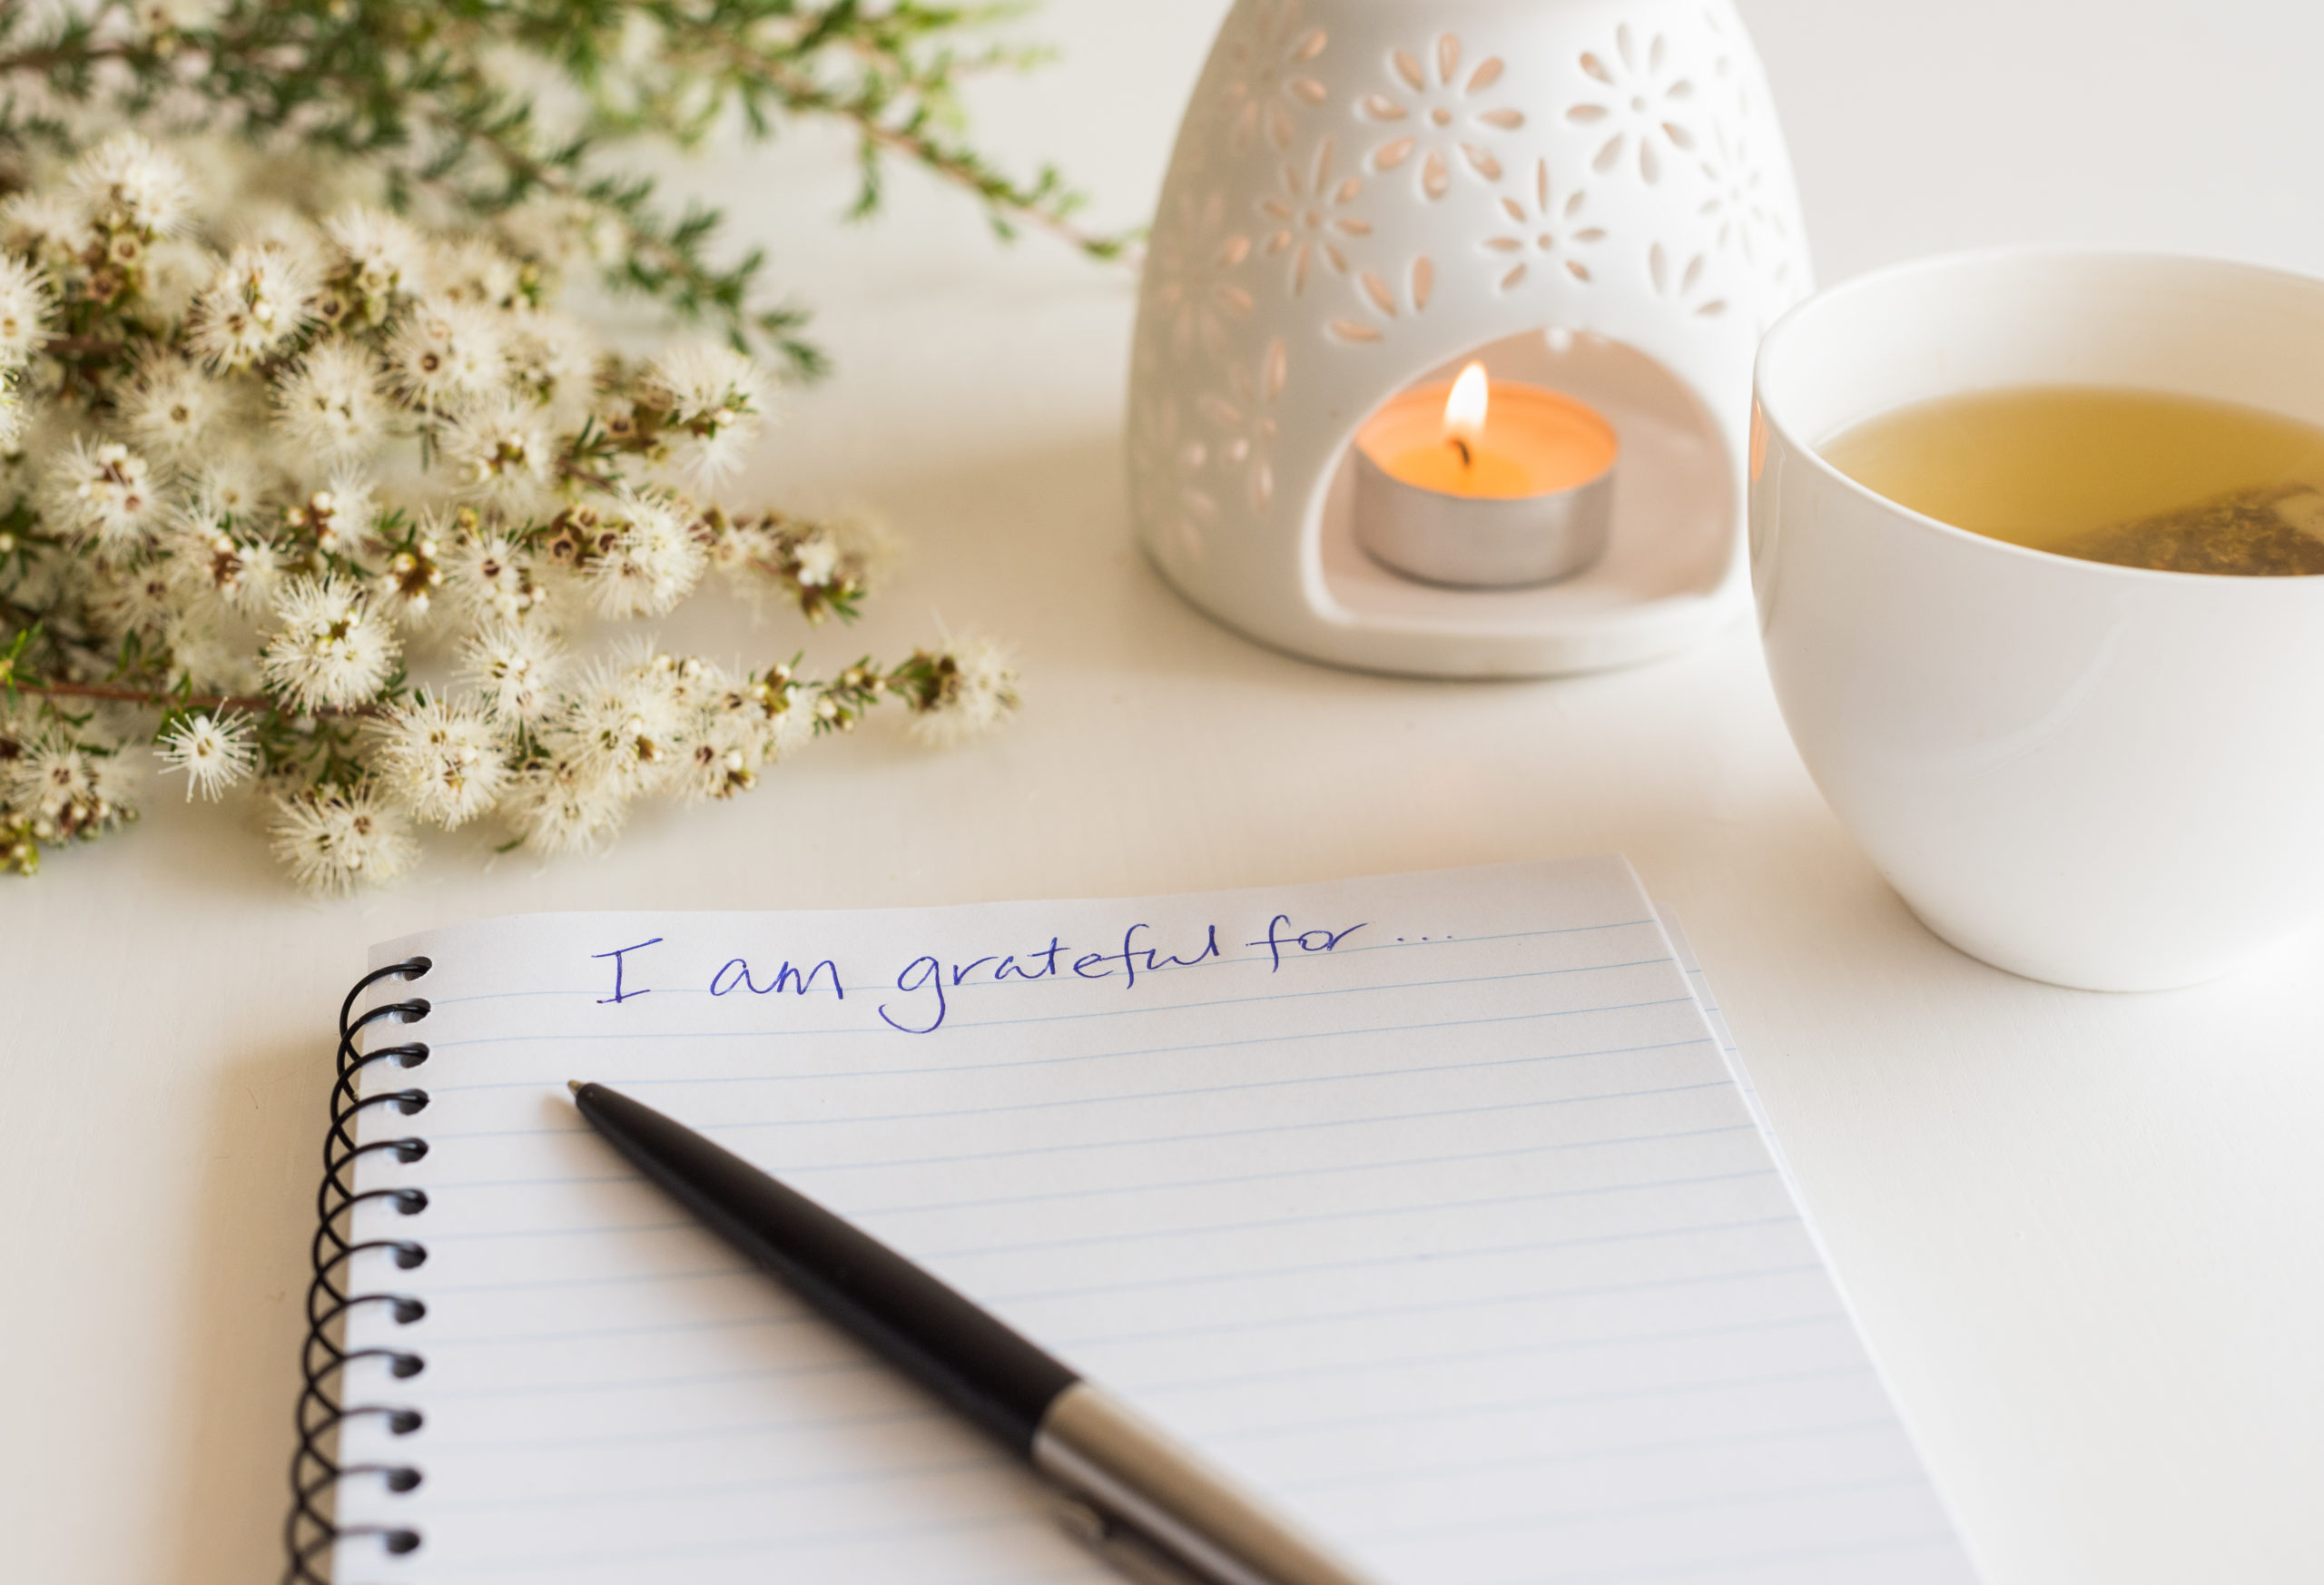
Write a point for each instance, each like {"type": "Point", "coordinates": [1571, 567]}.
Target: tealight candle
{"type": "Point", "coordinates": [1484, 483]}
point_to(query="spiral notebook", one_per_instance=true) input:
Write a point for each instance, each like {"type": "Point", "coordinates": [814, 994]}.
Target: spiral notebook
{"type": "Point", "coordinates": [1427, 1203]}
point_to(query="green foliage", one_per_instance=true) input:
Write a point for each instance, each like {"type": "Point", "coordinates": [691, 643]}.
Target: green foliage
{"type": "Point", "coordinates": [473, 108]}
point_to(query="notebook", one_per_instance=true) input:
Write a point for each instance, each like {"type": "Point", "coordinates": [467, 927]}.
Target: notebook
{"type": "Point", "coordinates": [1429, 1204]}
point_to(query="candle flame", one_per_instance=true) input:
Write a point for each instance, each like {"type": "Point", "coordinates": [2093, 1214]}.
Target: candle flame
{"type": "Point", "coordinates": [1465, 409]}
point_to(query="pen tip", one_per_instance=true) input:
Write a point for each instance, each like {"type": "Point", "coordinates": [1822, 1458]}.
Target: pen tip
{"type": "Point", "coordinates": [575, 1085]}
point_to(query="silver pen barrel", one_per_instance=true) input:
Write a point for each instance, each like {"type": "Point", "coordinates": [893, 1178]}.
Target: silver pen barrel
{"type": "Point", "coordinates": [1125, 1551]}
{"type": "Point", "coordinates": [1134, 1474]}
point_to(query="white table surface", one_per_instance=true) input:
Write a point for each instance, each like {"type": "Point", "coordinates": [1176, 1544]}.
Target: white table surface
{"type": "Point", "coordinates": [2086, 1233]}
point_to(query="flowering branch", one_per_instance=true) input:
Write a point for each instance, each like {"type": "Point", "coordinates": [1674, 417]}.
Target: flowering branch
{"type": "Point", "coordinates": [502, 113]}
{"type": "Point", "coordinates": [325, 513]}
{"type": "Point", "coordinates": [154, 698]}
{"type": "Point", "coordinates": [895, 103]}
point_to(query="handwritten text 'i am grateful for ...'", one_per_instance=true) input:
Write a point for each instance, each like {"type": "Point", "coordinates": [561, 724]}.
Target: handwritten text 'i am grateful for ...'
{"type": "Point", "coordinates": [916, 998]}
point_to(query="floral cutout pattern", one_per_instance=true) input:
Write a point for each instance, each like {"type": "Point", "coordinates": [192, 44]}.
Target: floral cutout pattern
{"type": "Point", "coordinates": [1390, 300]}
{"type": "Point", "coordinates": [1687, 285]}
{"type": "Point", "coordinates": [1247, 416]}
{"type": "Point", "coordinates": [1550, 228]}
{"type": "Point", "coordinates": [1643, 97]}
{"type": "Point", "coordinates": [1196, 297]}
{"type": "Point", "coordinates": [1310, 219]}
{"type": "Point", "coordinates": [1267, 78]}
{"type": "Point", "coordinates": [1433, 119]}
{"type": "Point", "coordinates": [1737, 211]}
{"type": "Point", "coordinates": [1736, 83]}
{"type": "Point", "coordinates": [1172, 464]}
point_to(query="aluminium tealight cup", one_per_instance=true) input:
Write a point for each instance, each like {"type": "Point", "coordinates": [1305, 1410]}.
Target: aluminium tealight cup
{"type": "Point", "coordinates": [1480, 542]}
{"type": "Point", "coordinates": [2101, 776]}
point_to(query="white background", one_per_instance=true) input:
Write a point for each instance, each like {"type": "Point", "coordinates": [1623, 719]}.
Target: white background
{"type": "Point", "coordinates": [2086, 1234]}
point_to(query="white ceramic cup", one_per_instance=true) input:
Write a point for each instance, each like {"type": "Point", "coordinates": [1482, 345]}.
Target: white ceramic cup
{"type": "Point", "coordinates": [2096, 775]}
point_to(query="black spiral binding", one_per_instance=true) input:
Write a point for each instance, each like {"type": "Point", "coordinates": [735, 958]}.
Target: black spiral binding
{"type": "Point", "coordinates": [315, 1471]}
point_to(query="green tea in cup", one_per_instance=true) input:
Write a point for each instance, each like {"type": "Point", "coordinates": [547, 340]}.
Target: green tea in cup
{"type": "Point", "coordinates": [2137, 477]}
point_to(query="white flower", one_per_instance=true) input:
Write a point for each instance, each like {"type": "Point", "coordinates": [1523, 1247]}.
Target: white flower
{"type": "Point", "coordinates": [138, 598]}
{"type": "Point", "coordinates": [331, 403]}
{"type": "Point", "coordinates": [723, 760]}
{"type": "Point", "coordinates": [45, 225]}
{"type": "Point", "coordinates": [556, 360]}
{"type": "Point", "coordinates": [444, 353]}
{"type": "Point", "coordinates": [127, 184]}
{"type": "Point", "coordinates": [261, 221]}
{"type": "Point", "coordinates": [12, 414]}
{"type": "Point", "coordinates": [558, 806]}
{"type": "Point", "coordinates": [384, 255]}
{"type": "Point", "coordinates": [204, 659]}
{"type": "Point", "coordinates": [740, 729]}
{"type": "Point", "coordinates": [176, 270]}
{"type": "Point", "coordinates": [171, 17]}
{"type": "Point", "coordinates": [502, 447]}
{"type": "Point", "coordinates": [440, 761]}
{"type": "Point", "coordinates": [559, 231]}
{"type": "Point", "coordinates": [66, 790]}
{"type": "Point", "coordinates": [335, 839]}
{"type": "Point", "coordinates": [101, 492]}
{"type": "Point", "coordinates": [471, 270]}
{"type": "Point", "coordinates": [645, 557]}
{"type": "Point", "coordinates": [695, 683]}
{"type": "Point", "coordinates": [972, 690]}
{"type": "Point", "coordinates": [625, 724]}
{"type": "Point", "coordinates": [346, 510]}
{"type": "Point", "coordinates": [737, 545]}
{"type": "Point", "coordinates": [866, 545]}
{"type": "Point", "coordinates": [816, 559]}
{"type": "Point", "coordinates": [170, 406]}
{"type": "Point", "coordinates": [205, 560]}
{"type": "Point", "coordinates": [341, 515]}
{"type": "Point", "coordinates": [227, 487]}
{"type": "Point", "coordinates": [256, 305]}
{"type": "Point", "coordinates": [215, 751]}
{"type": "Point", "coordinates": [515, 668]}
{"type": "Point", "coordinates": [24, 470]}
{"type": "Point", "coordinates": [701, 378]}
{"type": "Point", "coordinates": [332, 649]}
{"type": "Point", "coordinates": [407, 587]}
{"type": "Point", "coordinates": [713, 399]}
{"type": "Point", "coordinates": [488, 578]}
{"type": "Point", "coordinates": [26, 311]}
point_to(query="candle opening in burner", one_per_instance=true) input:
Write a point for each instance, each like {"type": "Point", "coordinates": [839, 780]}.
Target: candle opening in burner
{"type": "Point", "coordinates": [1484, 484]}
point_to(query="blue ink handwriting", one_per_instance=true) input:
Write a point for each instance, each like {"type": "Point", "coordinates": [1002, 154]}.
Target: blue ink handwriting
{"type": "Point", "coordinates": [1307, 941]}
{"type": "Point", "coordinates": [926, 977]}
{"type": "Point", "coordinates": [785, 978]}
{"type": "Point", "coordinates": [620, 995]}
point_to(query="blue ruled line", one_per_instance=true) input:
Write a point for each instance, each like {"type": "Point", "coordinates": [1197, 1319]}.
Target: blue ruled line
{"type": "Point", "coordinates": [1559, 1519]}
{"type": "Point", "coordinates": [1201, 1230]}
{"type": "Point", "coordinates": [1153, 1186]}
{"type": "Point", "coordinates": [1204, 1279]}
{"type": "Point", "coordinates": [1151, 1388]}
{"type": "Point", "coordinates": [818, 1425]}
{"type": "Point", "coordinates": [1688, 1001]}
{"type": "Point", "coordinates": [1501, 1107]}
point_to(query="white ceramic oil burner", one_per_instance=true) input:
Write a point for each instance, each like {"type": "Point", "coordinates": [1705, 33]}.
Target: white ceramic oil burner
{"type": "Point", "coordinates": [1589, 196]}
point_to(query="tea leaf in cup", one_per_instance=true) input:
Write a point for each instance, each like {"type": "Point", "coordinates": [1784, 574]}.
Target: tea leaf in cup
{"type": "Point", "coordinates": [2275, 532]}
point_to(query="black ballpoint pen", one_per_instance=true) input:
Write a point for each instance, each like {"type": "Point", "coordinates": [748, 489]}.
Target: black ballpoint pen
{"type": "Point", "coordinates": [1146, 1502]}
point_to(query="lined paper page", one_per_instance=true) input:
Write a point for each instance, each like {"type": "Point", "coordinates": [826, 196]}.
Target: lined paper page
{"type": "Point", "coordinates": [1700, 982]}
{"type": "Point", "coordinates": [1427, 1204]}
